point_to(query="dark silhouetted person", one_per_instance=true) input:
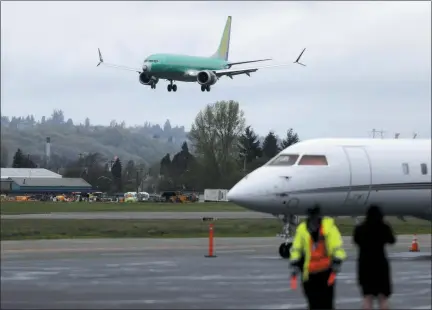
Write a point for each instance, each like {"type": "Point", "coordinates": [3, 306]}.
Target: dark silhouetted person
{"type": "Point", "coordinates": [373, 268]}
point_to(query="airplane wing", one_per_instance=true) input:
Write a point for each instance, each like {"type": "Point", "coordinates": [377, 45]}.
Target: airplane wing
{"type": "Point", "coordinates": [115, 66]}
{"type": "Point", "coordinates": [231, 72]}
{"type": "Point", "coordinates": [246, 62]}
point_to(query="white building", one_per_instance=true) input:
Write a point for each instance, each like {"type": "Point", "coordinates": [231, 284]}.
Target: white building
{"type": "Point", "coordinates": [27, 173]}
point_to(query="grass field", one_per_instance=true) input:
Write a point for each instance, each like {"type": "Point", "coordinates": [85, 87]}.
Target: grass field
{"type": "Point", "coordinates": [50, 207]}
{"type": "Point", "coordinates": [65, 229]}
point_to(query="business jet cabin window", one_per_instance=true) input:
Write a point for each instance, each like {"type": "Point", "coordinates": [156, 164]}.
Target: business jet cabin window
{"type": "Point", "coordinates": [423, 168]}
{"type": "Point", "coordinates": [284, 160]}
{"type": "Point", "coordinates": [313, 160]}
{"type": "Point", "coordinates": [405, 168]}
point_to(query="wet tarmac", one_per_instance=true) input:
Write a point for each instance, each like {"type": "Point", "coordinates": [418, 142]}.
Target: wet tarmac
{"type": "Point", "coordinates": [162, 274]}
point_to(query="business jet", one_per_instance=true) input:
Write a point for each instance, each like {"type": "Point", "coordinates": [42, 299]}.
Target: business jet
{"type": "Point", "coordinates": [206, 71]}
{"type": "Point", "coordinates": [344, 176]}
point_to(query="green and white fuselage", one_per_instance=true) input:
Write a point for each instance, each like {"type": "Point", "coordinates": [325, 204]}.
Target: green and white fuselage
{"type": "Point", "coordinates": [181, 67]}
{"type": "Point", "coordinates": [204, 70]}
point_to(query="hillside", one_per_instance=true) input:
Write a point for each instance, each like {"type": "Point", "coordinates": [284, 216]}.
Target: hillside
{"type": "Point", "coordinates": [145, 144]}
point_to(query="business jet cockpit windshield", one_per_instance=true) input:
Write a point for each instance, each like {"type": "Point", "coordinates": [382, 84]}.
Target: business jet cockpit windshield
{"type": "Point", "coordinates": [284, 160]}
{"type": "Point", "coordinates": [313, 160]}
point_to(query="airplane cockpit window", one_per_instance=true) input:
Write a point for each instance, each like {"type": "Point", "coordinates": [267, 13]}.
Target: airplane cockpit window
{"type": "Point", "coordinates": [313, 160]}
{"type": "Point", "coordinates": [284, 160]}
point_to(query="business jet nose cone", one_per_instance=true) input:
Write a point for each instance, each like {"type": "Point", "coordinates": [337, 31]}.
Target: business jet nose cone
{"type": "Point", "coordinates": [238, 195]}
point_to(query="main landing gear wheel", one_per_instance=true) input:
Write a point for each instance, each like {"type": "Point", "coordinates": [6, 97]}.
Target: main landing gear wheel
{"type": "Point", "coordinates": [284, 250]}
{"type": "Point", "coordinates": [153, 86]}
{"type": "Point", "coordinates": [288, 232]}
{"type": "Point", "coordinates": [172, 87]}
{"type": "Point", "coordinates": [205, 88]}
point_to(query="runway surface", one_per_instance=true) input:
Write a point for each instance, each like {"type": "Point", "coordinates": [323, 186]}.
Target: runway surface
{"type": "Point", "coordinates": [162, 274]}
{"type": "Point", "coordinates": [141, 215]}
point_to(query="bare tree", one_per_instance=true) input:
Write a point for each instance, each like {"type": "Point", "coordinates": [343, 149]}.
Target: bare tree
{"type": "Point", "coordinates": [215, 135]}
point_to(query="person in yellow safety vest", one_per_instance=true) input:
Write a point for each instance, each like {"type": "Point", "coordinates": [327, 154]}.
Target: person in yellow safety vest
{"type": "Point", "coordinates": [317, 254]}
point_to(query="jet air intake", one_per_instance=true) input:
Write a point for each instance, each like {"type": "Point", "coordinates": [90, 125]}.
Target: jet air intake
{"type": "Point", "coordinates": [206, 78]}
{"type": "Point", "coordinates": [146, 80]}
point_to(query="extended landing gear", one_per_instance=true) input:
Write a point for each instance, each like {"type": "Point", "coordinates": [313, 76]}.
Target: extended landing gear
{"type": "Point", "coordinates": [172, 87]}
{"type": "Point", "coordinates": [288, 231]}
{"type": "Point", "coordinates": [153, 86]}
{"type": "Point", "coordinates": [205, 88]}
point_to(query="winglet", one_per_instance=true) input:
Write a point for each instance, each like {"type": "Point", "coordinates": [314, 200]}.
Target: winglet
{"type": "Point", "coordinates": [298, 58]}
{"type": "Point", "coordinates": [100, 58]}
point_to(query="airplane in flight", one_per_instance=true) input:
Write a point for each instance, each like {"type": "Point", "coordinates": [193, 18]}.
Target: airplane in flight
{"type": "Point", "coordinates": [204, 70]}
{"type": "Point", "coordinates": [344, 176]}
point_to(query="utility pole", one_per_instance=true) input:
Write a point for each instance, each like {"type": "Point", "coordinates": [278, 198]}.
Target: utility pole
{"type": "Point", "coordinates": [137, 185]}
{"type": "Point", "coordinates": [138, 181]}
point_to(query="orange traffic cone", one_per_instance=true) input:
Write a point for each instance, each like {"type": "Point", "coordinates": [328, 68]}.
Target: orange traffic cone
{"type": "Point", "coordinates": [414, 245]}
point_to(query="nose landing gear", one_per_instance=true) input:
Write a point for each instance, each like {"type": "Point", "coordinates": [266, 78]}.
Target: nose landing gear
{"type": "Point", "coordinates": [288, 232]}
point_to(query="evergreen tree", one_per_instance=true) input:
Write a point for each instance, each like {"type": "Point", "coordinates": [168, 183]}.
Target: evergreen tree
{"type": "Point", "coordinates": [116, 168]}
{"type": "Point", "coordinates": [185, 148]}
{"type": "Point", "coordinates": [165, 165]}
{"type": "Point", "coordinates": [28, 163]}
{"type": "Point", "coordinates": [22, 161]}
{"type": "Point", "coordinates": [249, 145]}
{"type": "Point", "coordinates": [116, 171]}
{"type": "Point", "coordinates": [270, 145]}
{"type": "Point", "coordinates": [167, 126]}
{"type": "Point", "coordinates": [291, 138]}
{"type": "Point", "coordinates": [130, 170]}
{"type": "Point", "coordinates": [18, 159]}
{"type": "Point", "coordinates": [181, 161]}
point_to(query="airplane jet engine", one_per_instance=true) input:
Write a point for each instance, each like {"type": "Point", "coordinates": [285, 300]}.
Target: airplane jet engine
{"type": "Point", "coordinates": [206, 78]}
{"type": "Point", "coordinates": [146, 80]}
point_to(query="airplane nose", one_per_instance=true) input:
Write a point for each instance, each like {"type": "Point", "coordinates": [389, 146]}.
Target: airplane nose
{"type": "Point", "coordinates": [237, 194]}
{"type": "Point", "coordinates": [244, 193]}
{"type": "Point", "coordinates": [145, 68]}
{"type": "Point", "coordinates": [257, 189]}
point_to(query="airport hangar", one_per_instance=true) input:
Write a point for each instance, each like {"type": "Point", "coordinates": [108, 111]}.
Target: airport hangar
{"type": "Point", "coordinates": [15, 181]}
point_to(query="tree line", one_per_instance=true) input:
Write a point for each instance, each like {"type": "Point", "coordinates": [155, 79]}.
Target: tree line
{"type": "Point", "coordinates": [221, 149]}
{"type": "Point", "coordinates": [145, 143]}
{"type": "Point", "coordinates": [225, 148]}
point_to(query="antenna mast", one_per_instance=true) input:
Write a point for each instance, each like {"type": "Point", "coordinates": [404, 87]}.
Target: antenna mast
{"type": "Point", "coordinates": [377, 132]}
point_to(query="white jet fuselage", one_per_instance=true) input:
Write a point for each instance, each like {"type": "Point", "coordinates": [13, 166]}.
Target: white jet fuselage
{"type": "Point", "coordinates": [344, 176]}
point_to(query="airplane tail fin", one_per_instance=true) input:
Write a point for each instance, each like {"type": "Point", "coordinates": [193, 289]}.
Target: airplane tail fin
{"type": "Point", "coordinates": [223, 50]}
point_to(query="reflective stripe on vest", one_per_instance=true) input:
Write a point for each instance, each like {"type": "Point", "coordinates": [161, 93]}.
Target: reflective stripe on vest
{"type": "Point", "coordinates": [319, 260]}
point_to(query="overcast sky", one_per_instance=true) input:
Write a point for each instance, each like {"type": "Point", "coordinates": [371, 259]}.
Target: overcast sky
{"type": "Point", "coordinates": [368, 63]}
